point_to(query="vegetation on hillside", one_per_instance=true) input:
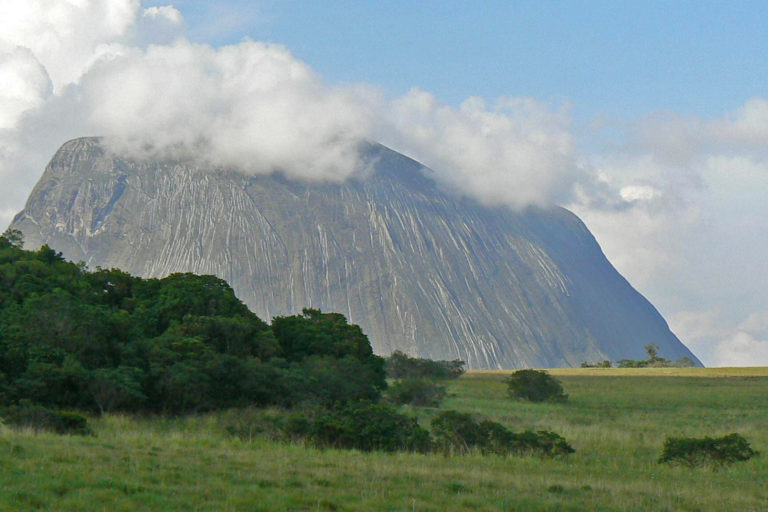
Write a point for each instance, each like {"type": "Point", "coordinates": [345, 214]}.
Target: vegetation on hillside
{"type": "Point", "coordinates": [107, 341]}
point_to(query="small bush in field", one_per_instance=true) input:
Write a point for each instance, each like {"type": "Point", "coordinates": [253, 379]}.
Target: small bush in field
{"type": "Point", "coordinates": [368, 426]}
{"type": "Point", "coordinates": [402, 366]}
{"type": "Point", "coordinates": [455, 431]}
{"type": "Point", "coordinates": [535, 386]}
{"type": "Point", "coordinates": [416, 392]}
{"type": "Point", "coordinates": [458, 432]}
{"type": "Point", "coordinates": [691, 451]}
{"type": "Point", "coordinates": [41, 418]}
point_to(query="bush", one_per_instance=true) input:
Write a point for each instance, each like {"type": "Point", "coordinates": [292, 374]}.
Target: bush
{"type": "Point", "coordinates": [542, 443]}
{"type": "Point", "coordinates": [416, 392]}
{"type": "Point", "coordinates": [691, 451]}
{"type": "Point", "coordinates": [535, 386]}
{"type": "Point", "coordinates": [455, 431]}
{"type": "Point", "coordinates": [41, 418]}
{"type": "Point", "coordinates": [600, 364]}
{"type": "Point", "coordinates": [368, 426]}
{"type": "Point", "coordinates": [402, 366]}
{"type": "Point", "coordinates": [458, 432]}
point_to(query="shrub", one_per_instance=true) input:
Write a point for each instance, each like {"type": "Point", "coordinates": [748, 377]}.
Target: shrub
{"type": "Point", "coordinates": [455, 431]}
{"type": "Point", "coordinates": [368, 426]}
{"type": "Point", "coordinates": [41, 418]}
{"type": "Point", "coordinates": [543, 443]}
{"type": "Point", "coordinates": [416, 392]}
{"type": "Point", "coordinates": [458, 432]}
{"type": "Point", "coordinates": [402, 366]}
{"type": "Point", "coordinates": [535, 386]}
{"type": "Point", "coordinates": [600, 364]}
{"type": "Point", "coordinates": [691, 451]}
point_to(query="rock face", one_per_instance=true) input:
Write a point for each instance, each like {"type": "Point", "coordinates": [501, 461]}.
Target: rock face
{"type": "Point", "coordinates": [418, 269]}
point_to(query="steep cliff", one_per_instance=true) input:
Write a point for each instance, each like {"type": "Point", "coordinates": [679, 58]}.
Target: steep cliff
{"type": "Point", "coordinates": [418, 269]}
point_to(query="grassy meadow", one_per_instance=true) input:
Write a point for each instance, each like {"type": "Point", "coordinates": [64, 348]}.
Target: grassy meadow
{"type": "Point", "coordinates": [616, 420]}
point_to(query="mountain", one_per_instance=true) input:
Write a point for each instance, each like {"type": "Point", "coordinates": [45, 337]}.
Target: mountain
{"type": "Point", "coordinates": [417, 268]}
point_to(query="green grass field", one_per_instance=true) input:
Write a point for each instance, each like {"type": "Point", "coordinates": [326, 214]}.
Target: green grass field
{"type": "Point", "coordinates": [616, 420]}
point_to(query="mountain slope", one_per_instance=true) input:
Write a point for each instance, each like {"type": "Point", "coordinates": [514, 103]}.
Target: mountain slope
{"type": "Point", "coordinates": [418, 269]}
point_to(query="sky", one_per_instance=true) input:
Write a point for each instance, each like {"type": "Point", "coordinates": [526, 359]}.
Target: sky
{"type": "Point", "coordinates": [648, 119]}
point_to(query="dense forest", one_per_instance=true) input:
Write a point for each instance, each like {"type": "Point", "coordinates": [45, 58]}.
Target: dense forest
{"type": "Point", "coordinates": [104, 340]}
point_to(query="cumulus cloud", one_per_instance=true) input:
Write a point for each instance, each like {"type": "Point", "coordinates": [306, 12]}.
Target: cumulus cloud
{"type": "Point", "coordinates": [515, 152]}
{"type": "Point", "coordinates": [25, 84]}
{"type": "Point", "coordinates": [718, 340]}
{"type": "Point", "coordinates": [89, 67]}
{"type": "Point", "coordinates": [64, 34]}
{"type": "Point", "coordinates": [741, 349]}
{"type": "Point", "coordinates": [252, 106]}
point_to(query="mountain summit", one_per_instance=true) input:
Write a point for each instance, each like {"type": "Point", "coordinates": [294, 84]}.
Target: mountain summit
{"type": "Point", "coordinates": [418, 269]}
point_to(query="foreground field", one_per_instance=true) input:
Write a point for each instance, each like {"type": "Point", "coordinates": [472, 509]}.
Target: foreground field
{"type": "Point", "coordinates": [616, 420]}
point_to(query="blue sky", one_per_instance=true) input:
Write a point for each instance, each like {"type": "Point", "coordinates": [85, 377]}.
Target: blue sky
{"type": "Point", "coordinates": [605, 58]}
{"type": "Point", "coordinates": [648, 119]}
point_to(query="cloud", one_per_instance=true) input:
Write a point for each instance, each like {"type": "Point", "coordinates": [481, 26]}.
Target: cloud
{"type": "Point", "coordinates": [26, 84]}
{"type": "Point", "coordinates": [515, 152]}
{"type": "Point", "coordinates": [685, 141]}
{"type": "Point", "coordinates": [252, 106]}
{"type": "Point", "coordinates": [64, 34]}
{"type": "Point", "coordinates": [90, 67]}
{"type": "Point", "coordinates": [688, 227]}
{"type": "Point", "coordinates": [741, 349]}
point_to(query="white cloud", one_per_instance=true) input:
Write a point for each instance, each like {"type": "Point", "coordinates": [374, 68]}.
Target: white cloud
{"type": "Point", "coordinates": [158, 25]}
{"type": "Point", "coordinates": [164, 13]}
{"type": "Point", "coordinates": [741, 349]}
{"type": "Point", "coordinates": [689, 231]}
{"type": "Point", "coordinates": [516, 152]}
{"type": "Point", "coordinates": [25, 85]}
{"type": "Point", "coordinates": [634, 193]}
{"type": "Point", "coordinates": [252, 106]}
{"type": "Point", "coordinates": [63, 34]}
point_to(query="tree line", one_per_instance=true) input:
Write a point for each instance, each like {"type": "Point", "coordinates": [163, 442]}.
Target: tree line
{"type": "Point", "coordinates": [105, 340]}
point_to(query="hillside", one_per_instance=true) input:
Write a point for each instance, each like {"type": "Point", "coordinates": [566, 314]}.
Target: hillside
{"type": "Point", "coordinates": [417, 268]}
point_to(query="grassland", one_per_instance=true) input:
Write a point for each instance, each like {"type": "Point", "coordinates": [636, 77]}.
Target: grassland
{"type": "Point", "coordinates": [616, 419]}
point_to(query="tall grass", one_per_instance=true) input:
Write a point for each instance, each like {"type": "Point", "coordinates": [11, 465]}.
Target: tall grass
{"type": "Point", "coordinates": [616, 423]}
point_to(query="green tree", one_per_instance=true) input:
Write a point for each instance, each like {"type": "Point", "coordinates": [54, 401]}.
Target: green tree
{"type": "Point", "coordinates": [535, 386]}
{"type": "Point", "coordinates": [117, 388]}
{"type": "Point", "coordinates": [13, 238]}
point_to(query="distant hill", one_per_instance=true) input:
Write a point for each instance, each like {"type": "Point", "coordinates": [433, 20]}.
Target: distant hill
{"type": "Point", "coordinates": [418, 269]}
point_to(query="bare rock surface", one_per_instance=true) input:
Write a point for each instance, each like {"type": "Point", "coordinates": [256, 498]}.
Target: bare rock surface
{"type": "Point", "coordinates": [419, 269]}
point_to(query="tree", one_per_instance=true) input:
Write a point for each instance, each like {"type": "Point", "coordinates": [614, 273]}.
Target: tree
{"type": "Point", "coordinates": [401, 366]}
{"type": "Point", "coordinates": [535, 386]}
{"type": "Point", "coordinates": [12, 237]}
{"type": "Point", "coordinates": [117, 387]}
{"type": "Point", "coordinates": [653, 353]}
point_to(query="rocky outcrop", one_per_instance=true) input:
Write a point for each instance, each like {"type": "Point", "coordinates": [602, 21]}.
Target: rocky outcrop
{"type": "Point", "coordinates": [418, 269]}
